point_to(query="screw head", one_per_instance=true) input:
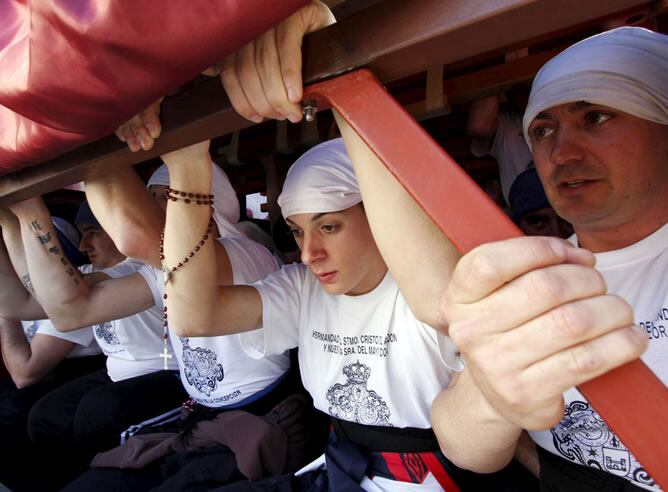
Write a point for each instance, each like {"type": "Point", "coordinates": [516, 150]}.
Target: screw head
{"type": "Point", "coordinates": [309, 110]}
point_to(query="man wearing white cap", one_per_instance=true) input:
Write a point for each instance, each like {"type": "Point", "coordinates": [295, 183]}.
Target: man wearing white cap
{"type": "Point", "coordinates": [214, 371]}
{"type": "Point", "coordinates": [534, 317]}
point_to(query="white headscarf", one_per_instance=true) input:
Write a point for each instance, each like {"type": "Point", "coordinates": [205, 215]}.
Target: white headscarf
{"type": "Point", "coordinates": [322, 180]}
{"type": "Point", "coordinates": [625, 69]}
{"type": "Point", "coordinates": [226, 205]}
{"type": "Point", "coordinates": [67, 229]}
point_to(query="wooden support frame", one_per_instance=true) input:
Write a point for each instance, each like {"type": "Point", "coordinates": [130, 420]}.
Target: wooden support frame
{"type": "Point", "coordinates": [631, 399]}
{"type": "Point", "coordinates": [396, 38]}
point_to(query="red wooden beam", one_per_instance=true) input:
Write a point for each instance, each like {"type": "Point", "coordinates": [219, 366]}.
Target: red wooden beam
{"type": "Point", "coordinates": [631, 399]}
{"type": "Point", "coordinates": [395, 38]}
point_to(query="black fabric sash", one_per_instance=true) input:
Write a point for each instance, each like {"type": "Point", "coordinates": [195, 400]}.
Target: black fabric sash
{"type": "Point", "coordinates": [386, 439]}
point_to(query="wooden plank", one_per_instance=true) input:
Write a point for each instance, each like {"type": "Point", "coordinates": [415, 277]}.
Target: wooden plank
{"type": "Point", "coordinates": [488, 81]}
{"type": "Point", "coordinates": [396, 38]}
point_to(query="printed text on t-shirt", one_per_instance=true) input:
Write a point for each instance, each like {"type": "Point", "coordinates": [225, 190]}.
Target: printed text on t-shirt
{"type": "Point", "coordinates": [656, 328]}
{"type": "Point", "coordinates": [373, 345]}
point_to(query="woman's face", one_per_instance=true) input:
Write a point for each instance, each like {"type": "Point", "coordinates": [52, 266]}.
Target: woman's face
{"type": "Point", "coordinates": [339, 249]}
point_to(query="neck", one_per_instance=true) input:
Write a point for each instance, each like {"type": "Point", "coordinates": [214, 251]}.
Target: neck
{"type": "Point", "coordinates": [372, 281]}
{"type": "Point", "coordinates": [600, 241]}
{"type": "Point", "coordinates": [116, 260]}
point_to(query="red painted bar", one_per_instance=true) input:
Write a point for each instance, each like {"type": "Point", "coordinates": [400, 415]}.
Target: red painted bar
{"type": "Point", "coordinates": [631, 399]}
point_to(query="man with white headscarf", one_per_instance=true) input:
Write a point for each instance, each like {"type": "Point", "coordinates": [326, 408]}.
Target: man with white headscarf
{"type": "Point", "coordinates": [87, 414]}
{"type": "Point", "coordinates": [38, 357]}
{"type": "Point", "coordinates": [534, 316]}
{"type": "Point", "coordinates": [34, 348]}
{"type": "Point", "coordinates": [215, 372]}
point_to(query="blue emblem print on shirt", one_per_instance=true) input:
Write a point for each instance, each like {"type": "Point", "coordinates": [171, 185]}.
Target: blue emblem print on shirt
{"type": "Point", "coordinates": [352, 401]}
{"type": "Point", "coordinates": [201, 368]}
{"type": "Point", "coordinates": [107, 332]}
{"type": "Point", "coordinates": [583, 437]}
{"type": "Point", "coordinates": [30, 331]}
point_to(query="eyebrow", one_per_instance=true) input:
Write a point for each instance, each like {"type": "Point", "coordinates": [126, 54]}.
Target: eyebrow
{"type": "Point", "coordinates": [313, 219]}
{"type": "Point", "coordinates": [572, 108]}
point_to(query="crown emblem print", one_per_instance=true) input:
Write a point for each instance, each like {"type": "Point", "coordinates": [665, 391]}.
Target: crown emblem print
{"type": "Point", "coordinates": [357, 373]}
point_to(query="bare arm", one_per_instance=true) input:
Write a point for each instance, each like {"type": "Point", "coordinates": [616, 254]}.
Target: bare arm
{"type": "Point", "coordinates": [532, 319]}
{"type": "Point", "coordinates": [28, 363]}
{"type": "Point", "coordinates": [128, 213]}
{"type": "Point", "coordinates": [470, 446]}
{"type": "Point", "coordinates": [67, 299]}
{"type": "Point", "coordinates": [196, 304]}
{"type": "Point", "coordinates": [483, 120]}
{"type": "Point", "coordinates": [403, 230]}
{"type": "Point", "coordinates": [16, 301]}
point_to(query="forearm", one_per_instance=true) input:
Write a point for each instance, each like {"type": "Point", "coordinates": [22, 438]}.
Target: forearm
{"type": "Point", "coordinates": [16, 287]}
{"type": "Point", "coordinates": [128, 213]}
{"type": "Point", "coordinates": [470, 432]}
{"type": "Point", "coordinates": [192, 288]}
{"type": "Point", "coordinates": [15, 350]}
{"type": "Point", "coordinates": [12, 291]}
{"type": "Point", "coordinates": [417, 253]}
{"type": "Point", "coordinates": [58, 286]}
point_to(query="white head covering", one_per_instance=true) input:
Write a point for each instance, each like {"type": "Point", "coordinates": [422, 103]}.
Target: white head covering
{"type": "Point", "coordinates": [226, 205]}
{"type": "Point", "coordinates": [67, 229]}
{"type": "Point", "coordinates": [322, 180]}
{"type": "Point", "coordinates": [625, 69]}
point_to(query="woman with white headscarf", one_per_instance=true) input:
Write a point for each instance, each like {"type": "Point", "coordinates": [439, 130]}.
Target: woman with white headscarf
{"type": "Point", "coordinates": [365, 358]}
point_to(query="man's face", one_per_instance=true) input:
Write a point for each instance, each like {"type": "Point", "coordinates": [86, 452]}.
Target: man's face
{"type": "Point", "coordinates": [602, 170]}
{"type": "Point", "coordinates": [339, 250]}
{"type": "Point", "coordinates": [99, 247]}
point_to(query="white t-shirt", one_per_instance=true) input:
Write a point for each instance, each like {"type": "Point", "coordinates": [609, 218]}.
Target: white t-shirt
{"type": "Point", "coordinates": [83, 338]}
{"type": "Point", "coordinates": [508, 148]}
{"type": "Point", "coordinates": [638, 274]}
{"type": "Point", "coordinates": [133, 344]}
{"type": "Point", "coordinates": [364, 359]}
{"type": "Point", "coordinates": [216, 371]}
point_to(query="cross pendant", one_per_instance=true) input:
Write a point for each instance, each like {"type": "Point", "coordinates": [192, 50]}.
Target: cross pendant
{"type": "Point", "coordinates": [165, 355]}
{"type": "Point", "coordinates": [166, 275]}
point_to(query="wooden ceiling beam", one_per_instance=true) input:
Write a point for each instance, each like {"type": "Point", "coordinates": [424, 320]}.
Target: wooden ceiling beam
{"type": "Point", "coordinates": [395, 38]}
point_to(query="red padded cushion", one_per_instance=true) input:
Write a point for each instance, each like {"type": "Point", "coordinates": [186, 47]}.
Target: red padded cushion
{"type": "Point", "coordinates": [73, 70]}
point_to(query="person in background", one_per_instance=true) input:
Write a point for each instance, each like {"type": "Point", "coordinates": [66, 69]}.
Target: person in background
{"type": "Point", "coordinates": [531, 210]}
{"type": "Point", "coordinates": [38, 358]}
{"type": "Point", "coordinates": [87, 414]}
{"type": "Point", "coordinates": [498, 133]}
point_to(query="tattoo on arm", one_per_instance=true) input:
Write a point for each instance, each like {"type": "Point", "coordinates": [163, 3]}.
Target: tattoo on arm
{"type": "Point", "coordinates": [45, 239]}
{"type": "Point", "coordinates": [27, 283]}
{"type": "Point", "coordinates": [71, 271]}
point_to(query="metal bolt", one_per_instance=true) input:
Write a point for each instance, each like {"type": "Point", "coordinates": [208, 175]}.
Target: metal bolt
{"type": "Point", "coordinates": [309, 110]}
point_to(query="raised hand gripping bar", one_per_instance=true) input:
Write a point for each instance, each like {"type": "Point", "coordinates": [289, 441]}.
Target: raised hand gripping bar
{"type": "Point", "coordinates": [631, 399]}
